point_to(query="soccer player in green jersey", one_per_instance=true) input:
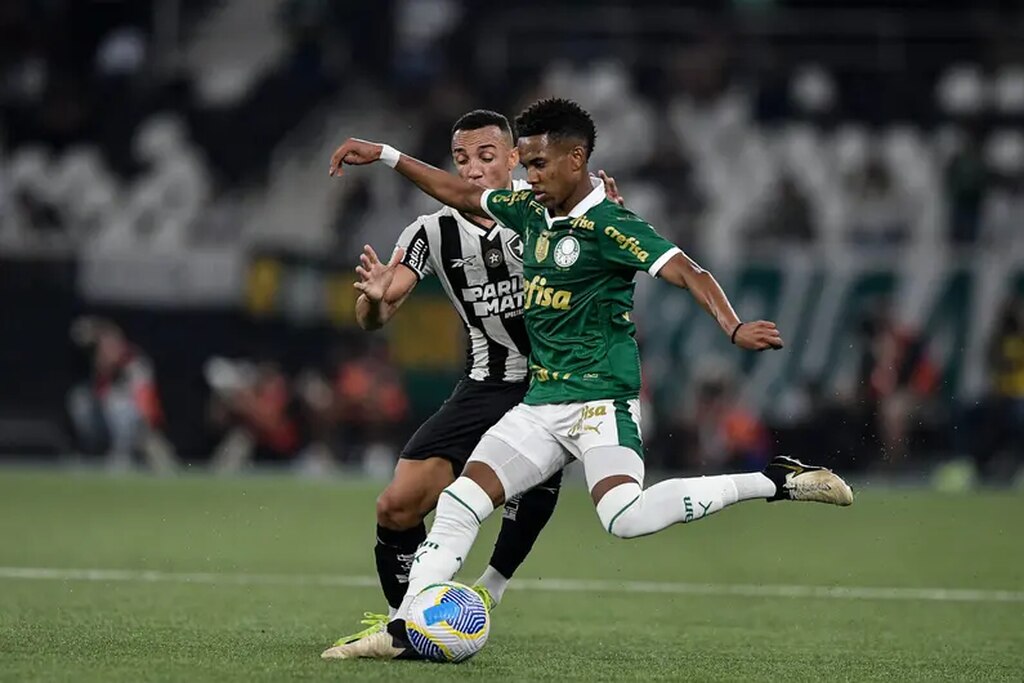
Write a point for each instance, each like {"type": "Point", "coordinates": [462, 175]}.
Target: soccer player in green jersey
{"type": "Point", "coordinates": [581, 253]}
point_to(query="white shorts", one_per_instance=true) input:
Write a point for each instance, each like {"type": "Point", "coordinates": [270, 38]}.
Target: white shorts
{"type": "Point", "coordinates": [530, 443]}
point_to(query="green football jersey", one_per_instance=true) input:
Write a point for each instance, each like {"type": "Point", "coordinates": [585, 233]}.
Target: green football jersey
{"type": "Point", "coordinates": [578, 275]}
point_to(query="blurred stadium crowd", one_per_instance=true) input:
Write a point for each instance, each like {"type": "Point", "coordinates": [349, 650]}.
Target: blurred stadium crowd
{"type": "Point", "coordinates": [153, 151]}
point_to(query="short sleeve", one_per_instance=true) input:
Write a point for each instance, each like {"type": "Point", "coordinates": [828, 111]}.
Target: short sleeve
{"type": "Point", "coordinates": [634, 244]}
{"type": "Point", "coordinates": [417, 249]}
{"type": "Point", "coordinates": [511, 208]}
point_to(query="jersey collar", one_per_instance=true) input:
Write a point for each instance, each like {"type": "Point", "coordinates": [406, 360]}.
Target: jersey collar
{"type": "Point", "coordinates": [596, 196]}
{"type": "Point", "coordinates": [467, 223]}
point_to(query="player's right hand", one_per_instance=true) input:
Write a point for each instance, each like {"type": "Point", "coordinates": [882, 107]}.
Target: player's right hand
{"type": "Point", "coordinates": [375, 277]}
{"type": "Point", "coordinates": [354, 152]}
{"type": "Point", "coordinates": [611, 190]}
{"type": "Point", "coordinates": [759, 335]}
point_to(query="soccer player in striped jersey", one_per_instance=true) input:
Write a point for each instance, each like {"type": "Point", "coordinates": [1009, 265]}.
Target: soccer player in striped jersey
{"type": "Point", "coordinates": [479, 265]}
{"type": "Point", "coordinates": [580, 256]}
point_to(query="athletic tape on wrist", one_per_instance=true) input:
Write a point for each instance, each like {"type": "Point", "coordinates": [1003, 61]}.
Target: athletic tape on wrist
{"type": "Point", "coordinates": [389, 155]}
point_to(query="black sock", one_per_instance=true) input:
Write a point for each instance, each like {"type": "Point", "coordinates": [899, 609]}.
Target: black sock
{"type": "Point", "coordinates": [525, 515]}
{"type": "Point", "coordinates": [394, 552]}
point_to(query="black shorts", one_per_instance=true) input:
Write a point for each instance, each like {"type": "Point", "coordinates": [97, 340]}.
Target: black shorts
{"type": "Point", "coordinates": [455, 429]}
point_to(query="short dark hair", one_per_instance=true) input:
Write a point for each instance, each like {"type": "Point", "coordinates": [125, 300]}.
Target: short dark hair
{"type": "Point", "coordinates": [482, 118]}
{"type": "Point", "coordinates": [558, 118]}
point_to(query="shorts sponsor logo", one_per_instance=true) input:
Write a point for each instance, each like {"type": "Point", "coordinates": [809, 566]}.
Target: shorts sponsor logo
{"type": "Point", "coordinates": [589, 413]}
{"type": "Point", "coordinates": [581, 427]}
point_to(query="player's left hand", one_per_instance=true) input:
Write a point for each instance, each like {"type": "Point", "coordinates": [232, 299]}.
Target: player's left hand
{"type": "Point", "coordinates": [375, 277]}
{"type": "Point", "coordinates": [611, 189]}
{"type": "Point", "coordinates": [758, 336]}
{"type": "Point", "coordinates": [354, 152]}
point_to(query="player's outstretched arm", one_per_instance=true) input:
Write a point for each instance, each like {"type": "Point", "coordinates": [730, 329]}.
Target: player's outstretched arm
{"type": "Point", "coordinates": [684, 272]}
{"type": "Point", "coordinates": [448, 189]}
{"type": "Point", "coordinates": [383, 288]}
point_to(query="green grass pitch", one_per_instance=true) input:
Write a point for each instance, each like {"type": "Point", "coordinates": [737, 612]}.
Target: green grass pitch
{"type": "Point", "coordinates": [251, 578]}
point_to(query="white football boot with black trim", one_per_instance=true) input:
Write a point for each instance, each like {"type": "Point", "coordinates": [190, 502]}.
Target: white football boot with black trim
{"type": "Point", "coordinates": [795, 480]}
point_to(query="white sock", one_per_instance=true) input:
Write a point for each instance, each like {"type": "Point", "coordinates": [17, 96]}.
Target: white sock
{"type": "Point", "coordinates": [753, 485]}
{"type": "Point", "coordinates": [460, 509]}
{"type": "Point", "coordinates": [391, 613]}
{"type": "Point", "coordinates": [627, 511]}
{"type": "Point", "coordinates": [494, 582]}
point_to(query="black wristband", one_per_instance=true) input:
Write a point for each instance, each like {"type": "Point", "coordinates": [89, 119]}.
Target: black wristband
{"type": "Point", "coordinates": [733, 337]}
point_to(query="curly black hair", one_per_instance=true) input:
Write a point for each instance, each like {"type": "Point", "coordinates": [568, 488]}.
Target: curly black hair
{"type": "Point", "coordinates": [560, 119]}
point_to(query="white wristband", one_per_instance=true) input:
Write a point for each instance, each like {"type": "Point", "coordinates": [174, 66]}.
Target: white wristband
{"type": "Point", "coordinates": [389, 155]}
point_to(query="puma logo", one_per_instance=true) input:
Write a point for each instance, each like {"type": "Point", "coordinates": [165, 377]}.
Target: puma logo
{"type": "Point", "coordinates": [580, 427]}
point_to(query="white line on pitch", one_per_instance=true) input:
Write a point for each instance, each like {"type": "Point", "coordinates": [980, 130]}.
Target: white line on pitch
{"type": "Point", "coordinates": [557, 585]}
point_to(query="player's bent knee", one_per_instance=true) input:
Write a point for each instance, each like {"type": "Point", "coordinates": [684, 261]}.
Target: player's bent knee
{"type": "Point", "coordinates": [397, 512]}
{"type": "Point", "coordinates": [619, 509]}
{"type": "Point", "coordinates": [608, 467]}
{"type": "Point", "coordinates": [413, 492]}
{"type": "Point", "coordinates": [609, 483]}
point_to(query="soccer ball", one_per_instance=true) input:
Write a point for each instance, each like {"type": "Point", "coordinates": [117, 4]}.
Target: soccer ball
{"type": "Point", "coordinates": [448, 622]}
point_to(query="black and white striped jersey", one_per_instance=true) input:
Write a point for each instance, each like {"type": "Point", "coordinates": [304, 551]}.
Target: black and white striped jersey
{"type": "Point", "coordinates": [481, 270]}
